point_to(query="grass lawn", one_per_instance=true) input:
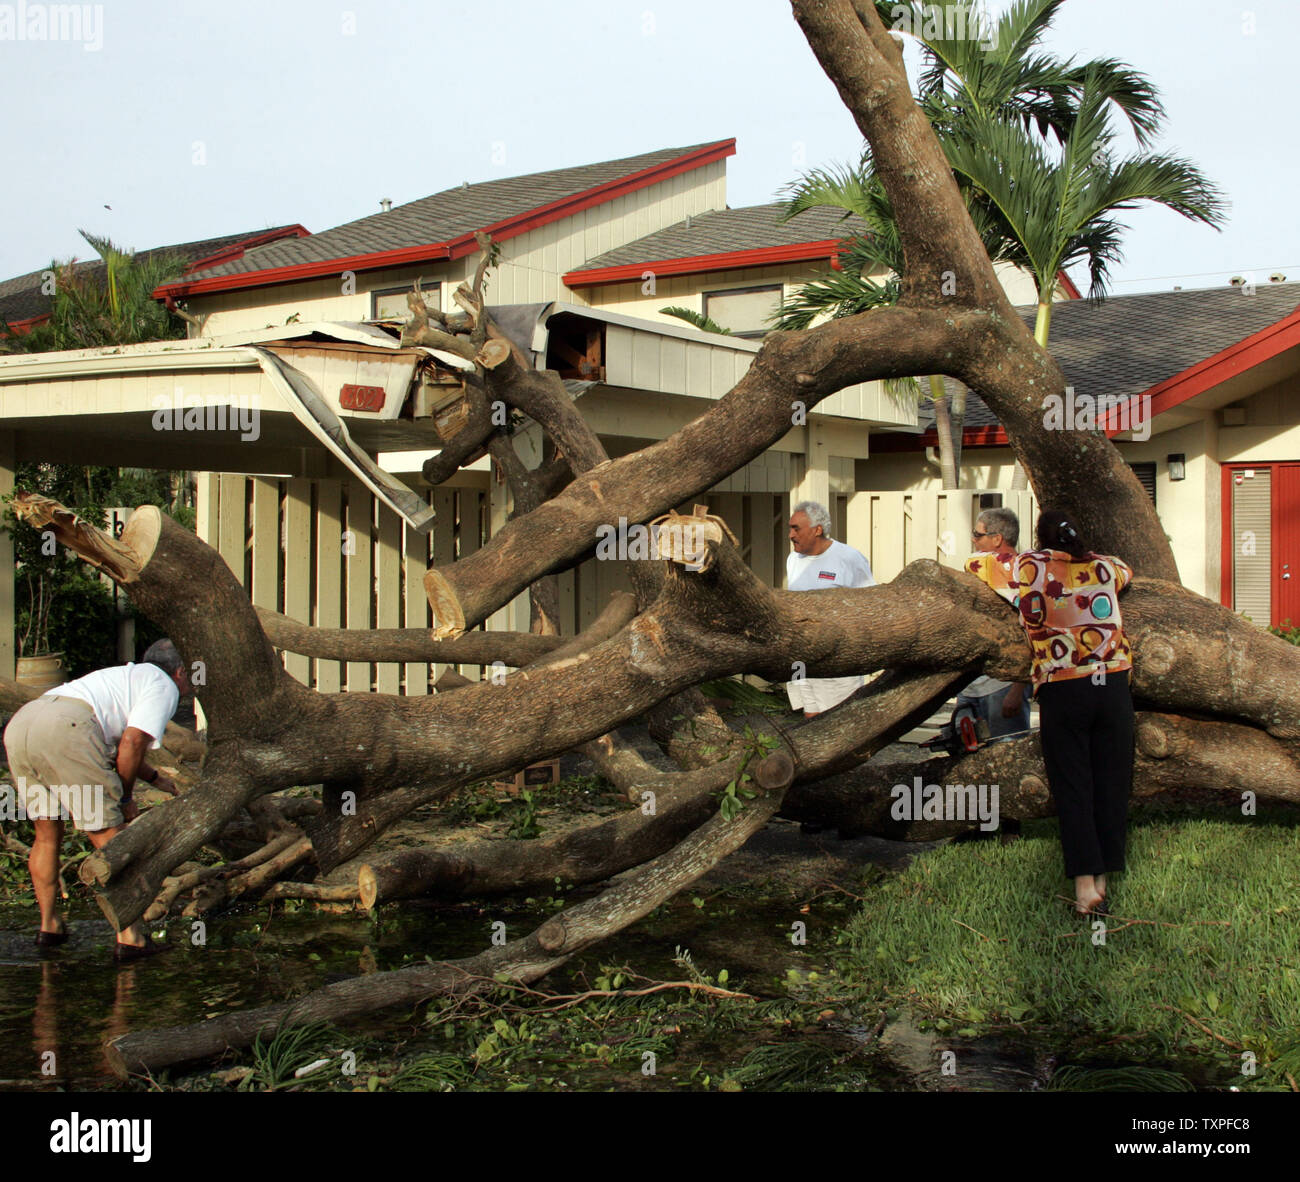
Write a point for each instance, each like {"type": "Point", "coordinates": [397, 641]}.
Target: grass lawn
{"type": "Point", "coordinates": [1201, 957]}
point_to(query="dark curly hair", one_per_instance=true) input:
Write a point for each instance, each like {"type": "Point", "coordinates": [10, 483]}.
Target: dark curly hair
{"type": "Point", "coordinates": [1056, 531]}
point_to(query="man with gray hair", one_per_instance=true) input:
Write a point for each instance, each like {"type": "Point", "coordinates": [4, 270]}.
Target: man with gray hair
{"type": "Point", "coordinates": [77, 751]}
{"type": "Point", "coordinates": [1002, 704]}
{"type": "Point", "coordinates": [817, 561]}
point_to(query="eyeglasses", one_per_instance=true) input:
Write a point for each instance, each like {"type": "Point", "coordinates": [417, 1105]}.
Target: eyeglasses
{"type": "Point", "coordinates": [976, 534]}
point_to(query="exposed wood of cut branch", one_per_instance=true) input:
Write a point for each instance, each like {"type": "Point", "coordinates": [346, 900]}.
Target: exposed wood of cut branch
{"type": "Point", "coordinates": [345, 892]}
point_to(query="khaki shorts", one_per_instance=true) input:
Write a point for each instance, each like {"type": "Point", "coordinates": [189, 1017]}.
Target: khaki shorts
{"type": "Point", "coordinates": [62, 765]}
{"type": "Point", "coordinates": [816, 695]}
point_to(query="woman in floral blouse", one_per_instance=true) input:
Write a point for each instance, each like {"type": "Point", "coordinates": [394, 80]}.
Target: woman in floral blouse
{"type": "Point", "coordinates": [1069, 608]}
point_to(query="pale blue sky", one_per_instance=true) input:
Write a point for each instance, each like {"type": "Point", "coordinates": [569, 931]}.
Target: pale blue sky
{"type": "Point", "coordinates": [312, 110]}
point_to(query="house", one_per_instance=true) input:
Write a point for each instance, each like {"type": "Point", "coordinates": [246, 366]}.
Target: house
{"type": "Point", "coordinates": [25, 299]}
{"type": "Point", "coordinates": [1207, 383]}
{"type": "Point", "coordinates": [303, 332]}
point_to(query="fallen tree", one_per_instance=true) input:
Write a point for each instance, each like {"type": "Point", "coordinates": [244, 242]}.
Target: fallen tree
{"type": "Point", "coordinates": [1211, 685]}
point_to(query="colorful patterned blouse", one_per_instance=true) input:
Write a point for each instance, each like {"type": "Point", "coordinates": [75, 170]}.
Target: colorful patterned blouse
{"type": "Point", "coordinates": [998, 571]}
{"type": "Point", "coordinates": [1070, 611]}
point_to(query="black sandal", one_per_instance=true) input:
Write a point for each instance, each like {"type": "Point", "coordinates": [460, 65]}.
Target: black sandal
{"type": "Point", "coordinates": [52, 939]}
{"type": "Point", "coordinates": [129, 953]}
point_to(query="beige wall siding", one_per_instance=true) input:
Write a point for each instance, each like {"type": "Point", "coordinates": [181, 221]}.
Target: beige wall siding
{"type": "Point", "coordinates": [317, 299]}
{"type": "Point", "coordinates": [666, 291]}
{"type": "Point", "coordinates": [1188, 509]}
{"type": "Point", "coordinates": [1270, 433]}
{"type": "Point", "coordinates": [530, 266]}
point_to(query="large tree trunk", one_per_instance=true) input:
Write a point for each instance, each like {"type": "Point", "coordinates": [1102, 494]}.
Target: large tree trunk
{"type": "Point", "coordinates": [1218, 694]}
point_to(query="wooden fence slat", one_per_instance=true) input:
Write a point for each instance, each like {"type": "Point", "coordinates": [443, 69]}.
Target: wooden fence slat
{"type": "Point", "coordinates": [297, 568]}
{"type": "Point", "coordinates": [762, 559]}
{"type": "Point", "coordinates": [415, 603]}
{"type": "Point", "coordinates": [388, 593]}
{"type": "Point", "coordinates": [233, 527]}
{"type": "Point", "coordinates": [265, 538]}
{"type": "Point", "coordinates": [329, 576]}
{"type": "Point", "coordinates": [444, 545]}
{"type": "Point", "coordinates": [358, 560]}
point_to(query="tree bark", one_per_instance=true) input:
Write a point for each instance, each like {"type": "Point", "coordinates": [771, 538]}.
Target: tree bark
{"type": "Point", "coordinates": [523, 961]}
{"type": "Point", "coordinates": [947, 267]}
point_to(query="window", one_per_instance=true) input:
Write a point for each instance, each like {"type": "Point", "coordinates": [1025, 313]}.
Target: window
{"type": "Point", "coordinates": [1146, 474]}
{"type": "Point", "coordinates": [389, 303]}
{"type": "Point", "coordinates": [744, 310]}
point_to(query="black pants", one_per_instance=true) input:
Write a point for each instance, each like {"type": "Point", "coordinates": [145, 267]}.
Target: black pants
{"type": "Point", "coordinates": [1087, 733]}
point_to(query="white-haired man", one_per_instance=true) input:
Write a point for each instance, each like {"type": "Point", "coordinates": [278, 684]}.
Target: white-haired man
{"type": "Point", "coordinates": [816, 561]}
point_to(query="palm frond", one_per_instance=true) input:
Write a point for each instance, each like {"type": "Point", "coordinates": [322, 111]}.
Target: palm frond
{"type": "Point", "coordinates": [696, 319]}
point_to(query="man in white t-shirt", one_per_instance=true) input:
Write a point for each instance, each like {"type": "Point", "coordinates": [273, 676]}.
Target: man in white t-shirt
{"type": "Point", "coordinates": [815, 562]}
{"type": "Point", "coordinates": [77, 751]}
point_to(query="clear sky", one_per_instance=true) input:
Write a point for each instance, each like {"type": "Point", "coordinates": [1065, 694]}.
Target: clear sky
{"type": "Point", "coordinates": [194, 120]}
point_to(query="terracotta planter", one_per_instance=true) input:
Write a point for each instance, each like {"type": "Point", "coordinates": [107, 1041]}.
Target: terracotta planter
{"type": "Point", "coordinates": [43, 672]}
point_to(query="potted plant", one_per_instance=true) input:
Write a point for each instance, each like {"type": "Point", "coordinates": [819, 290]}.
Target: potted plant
{"type": "Point", "coordinates": [37, 665]}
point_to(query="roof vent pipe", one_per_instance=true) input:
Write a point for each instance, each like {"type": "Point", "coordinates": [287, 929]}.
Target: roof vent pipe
{"type": "Point", "coordinates": [385, 203]}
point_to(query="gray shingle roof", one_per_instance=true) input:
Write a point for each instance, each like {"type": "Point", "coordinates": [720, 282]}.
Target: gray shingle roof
{"type": "Point", "coordinates": [444, 215]}
{"type": "Point", "coordinates": [21, 298]}
{"type": "Point", "coordinates": [726, 230]}
{"type": "Point", "coordinates": [1130, 343]}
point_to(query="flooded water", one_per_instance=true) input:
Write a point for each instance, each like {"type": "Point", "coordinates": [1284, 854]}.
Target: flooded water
{"type": "Point", "coordinates": [59, 1007]}
{"type": "Point", "coordinates": [773, 931]}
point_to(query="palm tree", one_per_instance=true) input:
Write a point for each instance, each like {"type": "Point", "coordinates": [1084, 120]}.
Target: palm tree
{"type": "Point", "coordinates": [996, 101]}
{"type": "Point", "coordinates": [1005, 74]}
{"type": "Point", "coordinates": [112, 305]}
{"type": "Point", "coordinates": [1060, 207]}
{"type": "Point", "coordinates": [870, 275]}
{"type": "Point", "coordinates": [696, 319]}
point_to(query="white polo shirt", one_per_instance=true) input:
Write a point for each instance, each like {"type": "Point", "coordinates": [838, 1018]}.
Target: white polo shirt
{"type": "Point", "coordinates": [838, 566]}
{"type": "Point", "coordinates": [142, 696]}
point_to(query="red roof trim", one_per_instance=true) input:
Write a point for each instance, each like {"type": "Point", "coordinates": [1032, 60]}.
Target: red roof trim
{"type": "Point", "coordinates": [1068, 286]}
{"type": "Point", "coordinates": [18, 327]}
{"type": "Point", "coordinates": [462, 244]}
{"type": "Point", "coordinates": [1195, 379]}
{"type": "Point", "coordinates": [236, 249]}
{"type": "Point", "coordinates": [1227, 363]}
{"type": "Point", "coordinates": [759, 256]}
{"type": "Point", "coordinates": [313, 270]}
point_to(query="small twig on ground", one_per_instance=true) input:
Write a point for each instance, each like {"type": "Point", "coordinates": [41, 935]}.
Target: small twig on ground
{"type": "Point", "coordinates": [981, 935]}
{"type": "Point", "coordinates": [1236, 1046]}
{"type": "Point", "coordinates": [1125, 921]}
{"type": "Point", "coordinates": [834, 889]}
{"type": "Point", "coordinates": [568, 1000]}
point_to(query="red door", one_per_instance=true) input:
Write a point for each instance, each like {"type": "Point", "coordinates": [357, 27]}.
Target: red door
{"type": "Point", "coordinates": [1286, 543]}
